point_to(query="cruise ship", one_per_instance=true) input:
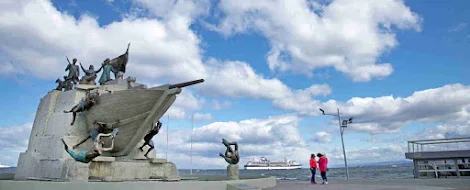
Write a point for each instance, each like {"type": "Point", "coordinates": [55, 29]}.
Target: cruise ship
{"type": "Point", "coordinates": [265, 164]}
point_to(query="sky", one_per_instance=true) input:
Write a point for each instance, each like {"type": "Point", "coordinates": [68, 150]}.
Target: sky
{"type": "Point", "coordinates": [397, 67]}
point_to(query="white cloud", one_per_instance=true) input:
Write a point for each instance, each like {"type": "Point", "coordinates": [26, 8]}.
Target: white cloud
{"type": "Point", "coordinates": [6, 68]}
{"type": "Point", "coordinates": [347, 35]}
{"type": "Point", "coordinates": [13, 141]}
{"type": "Point", "coordinates": [169, 8]}
{"type": "Point", "coordinates": [322, 137]}
{"type": "Point", "coordinates": [276, 137]}
{"type": "Point", "coordinates": [203, 117]}
{"type": "Point", "coordinates": [445, 131]}
{"type": "Point", "coordinates": [218, 105]}
{"type": "Point", "coordinates": [186, 102]}
{"type": "Point", "coordinates": [237, 79]}
{"type": "Point", "coordinates": [387, 114]}
{"type": "Point", "coordinates": [37, 36]}
{"type": "Point", "coordinates": [175, 113]}
{"type": "Point", "coordinates": [458, 27]}
{"type": "Point", "coordinates": [301, 101]}
{"type": "Point", "coordinates": [449, 103]}
{"type": "Point", "coordinates": [274, 129]}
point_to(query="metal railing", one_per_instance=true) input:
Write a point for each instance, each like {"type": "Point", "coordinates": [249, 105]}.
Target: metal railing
{"type": "Point", "coordinates": [439, 145]}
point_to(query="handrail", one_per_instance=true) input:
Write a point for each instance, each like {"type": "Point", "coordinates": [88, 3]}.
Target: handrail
{"type": "Point", "coordinates": [438, 139]}
{"type": "Point", "coordinates": [417, 145]}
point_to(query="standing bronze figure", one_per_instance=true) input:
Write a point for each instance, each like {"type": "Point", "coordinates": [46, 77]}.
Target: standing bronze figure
{"type": "Point", "coordinates": [74, 71]}
{"type": "Point", "coordinates": [106, 74]}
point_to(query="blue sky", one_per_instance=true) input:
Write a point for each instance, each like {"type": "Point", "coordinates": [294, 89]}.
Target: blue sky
{"type": "Point", "coordinates": [429, 52]}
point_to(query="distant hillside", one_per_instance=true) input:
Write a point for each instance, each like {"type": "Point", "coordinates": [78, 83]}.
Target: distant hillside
{"type": "Point", "coordinates": [400, 163]}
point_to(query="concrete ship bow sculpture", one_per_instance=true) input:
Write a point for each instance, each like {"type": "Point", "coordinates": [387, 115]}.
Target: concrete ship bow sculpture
{"type": "Point", "coordinates": [119, 116]}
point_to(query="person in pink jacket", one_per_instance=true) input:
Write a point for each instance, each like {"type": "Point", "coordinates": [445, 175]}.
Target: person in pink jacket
{"type": "Point", "coordinates": [313, 168]}
{"type": "Point", "coordinates": [323, 166]}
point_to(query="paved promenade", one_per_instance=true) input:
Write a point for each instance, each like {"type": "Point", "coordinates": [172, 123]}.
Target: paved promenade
{"type": "Point", "coordinates": [400, 184]}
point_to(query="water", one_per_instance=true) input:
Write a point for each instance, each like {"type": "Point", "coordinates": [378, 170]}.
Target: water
{"type": "Point", "coordinates": [7, 170]}
{"type": "Point", "coordinates": [372, 172]}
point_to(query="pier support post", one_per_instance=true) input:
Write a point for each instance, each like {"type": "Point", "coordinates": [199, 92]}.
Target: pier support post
{"type": "Point", "coordinates": [416, 168]}
{"type": "Point", "coordinates": [456, 168]}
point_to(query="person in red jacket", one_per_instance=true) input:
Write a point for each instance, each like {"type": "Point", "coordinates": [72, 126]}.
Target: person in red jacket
{"type": "Point", "coordinates": [313, 168]}
{"type": "Point", "coordinates": [323, 165]}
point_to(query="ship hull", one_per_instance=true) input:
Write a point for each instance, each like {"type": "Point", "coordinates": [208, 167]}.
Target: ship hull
{"type": "Point", "coordinates": [137, 111]}
{"type": "Point", "coordinates": [272, 167]}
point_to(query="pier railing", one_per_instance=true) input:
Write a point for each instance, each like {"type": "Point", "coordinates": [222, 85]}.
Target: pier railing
{"type": "Point", "coordinates": [449, 144]}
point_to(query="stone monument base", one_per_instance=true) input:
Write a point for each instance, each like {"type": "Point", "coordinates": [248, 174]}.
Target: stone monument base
{"type": "Point", "coordinates": [233, 172]}
{"type": "Point", "coordinates": [101, 168]}
{"type": "Point", "coordinates": [137, 108]}
{"type": "Point", "coordinates": [135, 170]}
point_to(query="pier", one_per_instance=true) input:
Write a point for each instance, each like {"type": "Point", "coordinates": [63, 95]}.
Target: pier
{"type": "Point", "coordinates": [440, 158]}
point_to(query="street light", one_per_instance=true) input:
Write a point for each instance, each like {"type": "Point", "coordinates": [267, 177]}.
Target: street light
{"type": "Point", "coordinates": [342, 126]}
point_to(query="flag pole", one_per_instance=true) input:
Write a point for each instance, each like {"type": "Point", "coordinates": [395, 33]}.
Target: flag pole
{"type": "Point", "coordinates": [167, 126]}
{"type": "Point", "coordinates": [192, 128]}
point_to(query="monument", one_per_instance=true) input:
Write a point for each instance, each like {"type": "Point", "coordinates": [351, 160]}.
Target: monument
{"type": "Point", "coordinates": [232, 158]}
{"type": "Point", "coordinates": [87, 132]}
{"type": "Point", "coordinates": [116, 115]}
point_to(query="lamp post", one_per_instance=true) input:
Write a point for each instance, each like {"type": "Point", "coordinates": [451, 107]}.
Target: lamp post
{"type": "Point", "coordinates": [342, 126]}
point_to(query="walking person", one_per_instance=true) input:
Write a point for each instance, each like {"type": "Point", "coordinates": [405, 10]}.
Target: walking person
{"type": "Point", "coordinates": [313, 168]}
{"type": "Point", "coordinates": [323, 165]}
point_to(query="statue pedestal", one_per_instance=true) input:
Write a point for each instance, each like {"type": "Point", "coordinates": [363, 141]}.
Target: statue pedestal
{"type": "Point", "coordinates": [233, 172]}
{"type": "Point", "coordinates": [46, 157]}
{"type": "Point", "coordinates": [133, 170]}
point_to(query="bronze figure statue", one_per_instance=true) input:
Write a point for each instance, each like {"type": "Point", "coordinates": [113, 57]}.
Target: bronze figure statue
{"type": "Point", "coordinates": [107, 69]}
{"type": "Point", "coordinates": [65, 84]}
{"type": "Point", "coordinates": [102, 128]}
{"type": "Point", "coordinates": [230, 155]}
{"type": "Point", "coordinates": [90, 75]}
{"type": "Point", "coordinates": [74, 71]}
{"type": "Point", "coordinates": [68, 84]}
{"type": "Point", "coordinates": [148, 138]}
{"type": "Point", "coordinates": [60, 85]}
{"type": "Point", "coordinates": [84, 104]}
{"type": "Point", "coordinates": [97, 149]}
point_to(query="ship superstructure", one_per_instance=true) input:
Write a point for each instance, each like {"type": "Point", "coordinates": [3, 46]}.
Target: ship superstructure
{"type": "Point", "coordinates": [264, 164]}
